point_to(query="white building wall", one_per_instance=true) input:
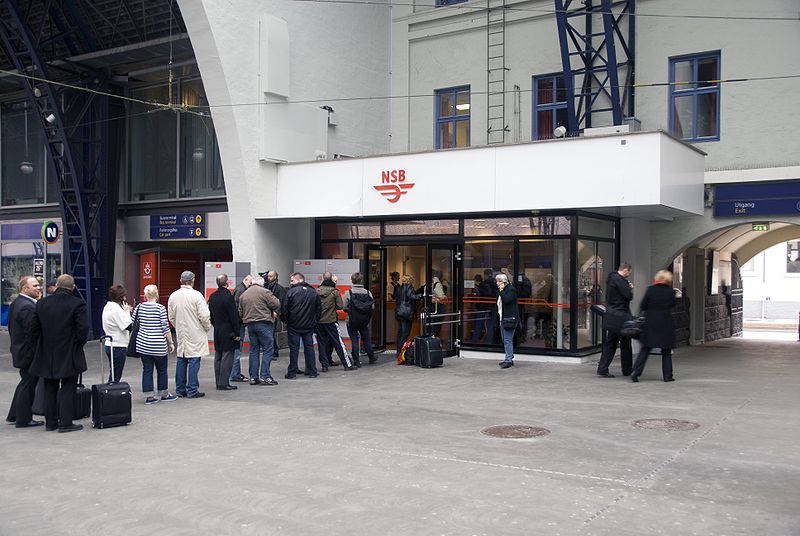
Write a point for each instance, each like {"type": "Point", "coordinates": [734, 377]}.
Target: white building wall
{"type": "Point", "coordinates": [770, 292]}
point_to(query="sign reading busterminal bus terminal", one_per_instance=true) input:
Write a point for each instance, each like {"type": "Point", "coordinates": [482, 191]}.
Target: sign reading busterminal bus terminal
{"type": "Point", "coordinates": [177, 226]}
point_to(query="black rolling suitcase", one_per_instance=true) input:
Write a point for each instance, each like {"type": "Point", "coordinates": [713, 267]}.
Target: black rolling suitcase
{"type": "Point", "coordinates": [428, 351]}
{"type": "Point", "coordinates": [111, 402]}
{"type": "Point", "coordinates": [82, 406]}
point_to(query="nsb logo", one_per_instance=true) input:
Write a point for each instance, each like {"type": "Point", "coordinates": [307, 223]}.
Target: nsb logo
{"type": "Point", "coordinates": [394, 185]}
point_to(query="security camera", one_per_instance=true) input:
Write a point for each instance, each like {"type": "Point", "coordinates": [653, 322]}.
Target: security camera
{"type": "Point", "coordinates": [560, 131]}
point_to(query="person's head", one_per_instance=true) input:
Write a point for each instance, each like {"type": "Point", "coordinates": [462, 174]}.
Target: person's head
{"type": "Point", "coordinates": [187, 278]}
{"type": "Point", "coordinates": [117, 293]}
{"type": "Point", "coordinates": [51, 286]}
{"type": "Point", "coordinates": [248, 280]}
{"type": "Point", "coordinates": [488, 274]}
{"type": "Point", "coordinates": [296, 278]}
{"type": "Point", "coordinates": [664, 277]}
{"type": "Point", "coordinates": [408, 279]}
{"type": "Point", "coordinates": [258, 280]}
{"type": "Point", "coordinates": [437, 274]}
{"type": "Point", "coordinates": [501, 280]}
{"type": "Point", "coordinates": [222, 281]}
{"type": "Point", "coordinates": [65, 281]}
{"type": "Point", "coordinates": [625, 269]}
{"type": "Point", "coordinates": [327, 276]}
{"type": "Point", "coordinates": [357, 278]}
{"type": "Point", "coordinates": [151, 293]}
{"type": "Point", "coordinates": [30, 286]}
{"type": "Point", "coordinates": [272, 276]}
{"type": "Point", "coordinates": [478, 279]}
{"type": "Point", "coordinates": [395, 276]}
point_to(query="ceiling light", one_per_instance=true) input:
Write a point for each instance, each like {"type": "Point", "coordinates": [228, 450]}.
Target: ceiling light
{"type": "Point", "coordinates": [50, 119]}
{"type": "Point", "coordinates": [462, 107]}
{"type": "Point", "coordinates": [26, 168]}
{"type": "Point", "coordinates": [479, 221]}
{"type": "Point", "coordinates": [503, 223]}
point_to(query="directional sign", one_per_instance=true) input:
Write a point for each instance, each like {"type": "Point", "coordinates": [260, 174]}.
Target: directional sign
{"type": "Point", "coordinates": [177, 226]}
{"type": "Point", "coordinates": [38, 267]}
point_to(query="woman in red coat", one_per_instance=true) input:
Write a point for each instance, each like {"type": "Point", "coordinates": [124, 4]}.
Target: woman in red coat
{"type": "Point", "coordinates": [659, 331]}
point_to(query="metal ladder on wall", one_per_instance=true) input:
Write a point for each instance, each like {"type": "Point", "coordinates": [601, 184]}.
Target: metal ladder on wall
{"type": "Point", "coordinates": [496, 126]}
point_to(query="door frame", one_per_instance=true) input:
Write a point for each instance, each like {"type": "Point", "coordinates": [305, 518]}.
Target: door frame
{"type": "Point", "coordinates": [380, 309]}
{"type": "Point", "coordinates": [455, 313]}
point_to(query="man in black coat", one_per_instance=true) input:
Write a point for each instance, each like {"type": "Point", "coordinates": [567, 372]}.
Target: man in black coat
{"type": "Point", "coordinates": [20, 320]}
{"type": "Point", "coordinates": [301, 312]}
{"type": "Point", "coordinates": [619, 293]}
{"type": "Point", "coordinates": [225, 319]}
{"type": "Point", "coordinates": [59, 331]}
{"type": "Point", "coordinates": [280, 293]}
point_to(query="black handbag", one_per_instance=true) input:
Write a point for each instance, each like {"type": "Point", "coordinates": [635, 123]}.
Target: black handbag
{"type": "Point", "coordinates": [633, 328]}
{"type": "Point", "coordinates": [510, 322]}
{"type": "Point", "coordinates": [404, 311]}
{"type": "Point", "coordinates": [131, 352]}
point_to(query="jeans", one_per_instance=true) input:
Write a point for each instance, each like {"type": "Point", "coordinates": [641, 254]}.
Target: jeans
{"type": "Point", "coordinates": [508, 343]}
{"type": "Point", "coordinates": [236, 370]}
{"type": "Point", "coordinates": [119, 353]}
{"type": "Point", "coordinates": [308, 350]}
{"type": "Point", "coordinates": [160, 364]}
{"type": "Point", "coordinates": [186, 382]}
{"type": "Point", "coordinates": [403, 331]}
{"type": "Point", "coordinates": [478, 326]}
{"type": "Point", "coordinates": [357, 335]}
{"type": "Point", "coordinates": [261, 340]}
{"type": "Point", "coordinates": [329, 341]}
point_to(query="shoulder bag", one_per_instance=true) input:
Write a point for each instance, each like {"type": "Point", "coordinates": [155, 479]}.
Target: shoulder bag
{"type": "Point", "coordinates": [131, 352]}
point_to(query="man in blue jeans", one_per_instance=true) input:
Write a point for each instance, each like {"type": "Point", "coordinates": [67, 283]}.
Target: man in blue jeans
{"type": "Point", "coordinates": [236, 371]}
{"type": "Point", "coordinates": [301, 312]}
{"type": "Point", "coordinates": [189, 313]}
{"type": "Point", "coordinates": [259, 309]}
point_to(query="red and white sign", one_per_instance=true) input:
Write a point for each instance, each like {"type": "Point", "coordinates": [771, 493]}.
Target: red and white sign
{"type": "Point", "coordinates": [393, 185]}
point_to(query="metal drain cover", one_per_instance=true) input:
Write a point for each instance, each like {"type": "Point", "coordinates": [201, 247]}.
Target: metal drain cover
{"type": "Point", "coordinates": [515, 431]}
{"type": "Point", "coordinates": [669, 425]}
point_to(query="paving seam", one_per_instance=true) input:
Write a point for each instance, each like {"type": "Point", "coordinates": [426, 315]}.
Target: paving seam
{"type": "Point", "coordinates": [640, 483]}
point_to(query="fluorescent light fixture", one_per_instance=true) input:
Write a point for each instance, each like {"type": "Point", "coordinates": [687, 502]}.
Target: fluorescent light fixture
{"type": "Point", "coordinates": [479, 221]}
{"type": "Point", "coordinates": [462, 107]}
{"type": "Point", "coordinates": [502, 223]}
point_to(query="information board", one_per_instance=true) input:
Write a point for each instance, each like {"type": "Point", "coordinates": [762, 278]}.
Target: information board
{"type": "Point", "coordinates": [177, 226]}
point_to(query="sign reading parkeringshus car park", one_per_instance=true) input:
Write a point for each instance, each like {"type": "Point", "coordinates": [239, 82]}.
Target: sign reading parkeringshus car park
{"type": "Point", "coordinates": [177, 226]}
{"type": "Point", "coordinates": [758, 199]}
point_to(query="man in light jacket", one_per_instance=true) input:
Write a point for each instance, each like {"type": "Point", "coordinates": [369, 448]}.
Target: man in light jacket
{"type": "Point", "coordinates": [189, 313]}
{"type": "Point", "coordinates": [259, 308]}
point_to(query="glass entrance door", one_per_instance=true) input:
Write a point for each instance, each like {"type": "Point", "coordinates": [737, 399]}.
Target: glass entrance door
{"type": "Point", "coordinates": [375, 282]}
{"type": "Point", "coordinates": [441, 296]}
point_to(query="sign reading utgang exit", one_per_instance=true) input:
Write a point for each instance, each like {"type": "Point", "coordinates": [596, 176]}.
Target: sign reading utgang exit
{"type": "Point", "coordinates": [177, 226]}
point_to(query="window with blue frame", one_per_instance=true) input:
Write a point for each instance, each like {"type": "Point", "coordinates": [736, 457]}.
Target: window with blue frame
{"type": "Point", "coordinates": [694, 92]}
{"type": "Point", "coordinates": [549, 105]}
{"type": "Point", "coordinates": [452, 117]}
{"type": "Point", "coordinates": [440, 3]}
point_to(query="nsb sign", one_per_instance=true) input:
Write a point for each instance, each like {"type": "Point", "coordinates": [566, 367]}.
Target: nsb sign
{"type": "Point", "coordinates": [50, 232]}
{"type": "Point", "coordinates": [394, 184]}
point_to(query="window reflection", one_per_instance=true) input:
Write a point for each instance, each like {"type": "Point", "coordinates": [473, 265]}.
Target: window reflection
{"type": "Point", "coordinates": [544, 293]}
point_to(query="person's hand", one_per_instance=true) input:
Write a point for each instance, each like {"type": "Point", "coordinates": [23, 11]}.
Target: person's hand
{"type": "Point", "coordinates": [171, 347]}
{"type": "Point", "coordinates": [127, 308]}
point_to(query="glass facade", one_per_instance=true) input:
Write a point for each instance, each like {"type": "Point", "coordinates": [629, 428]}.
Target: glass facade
{"type": "Point", "coordinates": [25, 177]}
{"type": "Point", "coordinates": [172, 154]}
{"type": "Point", "coordinates": [557, 262]}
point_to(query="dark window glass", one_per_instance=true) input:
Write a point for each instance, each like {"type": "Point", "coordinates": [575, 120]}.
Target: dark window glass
{"type": "Point", "coordinates": [350, 230]}
{"type": "Point", "coordinates": [152, 147]}
{"type": "Point", "coordinates": [23, 156]}
{"type": "Point", "coordinates": [694, 97]}
{"type": "Point", "coordinates": [530, 226]}
{"type": "Point", "coordinates": [421, 227]}
{"type": "Point", "coordinates": [549, 105]}
{"type": "Point", "coordinates": [334, 250]}
{"type": "Point", "coordinates": [201, 168]}
{"type": "Point", "coordinates": [453, 117]}
{"type": "Point", "coordinates": [482, 261]}
{"type": "Point", "coordinates": [544, 293]}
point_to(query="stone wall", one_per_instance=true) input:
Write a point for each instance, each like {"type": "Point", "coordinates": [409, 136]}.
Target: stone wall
{"type": "Point", "coordinates": [717, 323]}
{"type": "Point", "coordinates": [680, 319]}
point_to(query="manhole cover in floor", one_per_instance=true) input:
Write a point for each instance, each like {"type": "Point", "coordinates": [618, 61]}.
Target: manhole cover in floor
{"type": "Point", "coordinates": [670, 425]}
{"type": "Point", "coordinates": [515, 431]}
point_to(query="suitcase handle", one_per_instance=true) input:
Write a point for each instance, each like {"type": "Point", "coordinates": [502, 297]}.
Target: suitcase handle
{"type": "Point", "coordinates": [103, 355]}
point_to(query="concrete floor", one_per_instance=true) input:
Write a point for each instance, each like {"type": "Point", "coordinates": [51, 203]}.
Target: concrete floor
{"type": "Point", "coordinates": [398, 450]}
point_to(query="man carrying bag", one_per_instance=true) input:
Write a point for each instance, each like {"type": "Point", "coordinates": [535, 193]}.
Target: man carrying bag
{"type": "Point", "coordinates": [619, 293]}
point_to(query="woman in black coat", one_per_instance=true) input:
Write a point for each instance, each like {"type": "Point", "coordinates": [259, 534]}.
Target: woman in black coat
{"type": "Point", "coordinates": [406, 308]}
{"type": "Point", "coordinates": [508, 313]}
{"type": "Point", "coordinates": [659, 331]}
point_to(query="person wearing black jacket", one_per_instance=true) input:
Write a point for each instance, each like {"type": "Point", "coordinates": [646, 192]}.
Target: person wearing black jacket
{"type": "Point", "coordinates": [280, 293]}
{"type": "Point", "coordinates": [508, 313]}
{"type": "Point", "coordinates": [225, 319]}
{"type": "Point", "coordinates": [59, 331]}
{"type": "Point", "coordinates": [20, 319]}
{"type": "Point", "coordinates": [659, 330]}
{"type": "Point", "coordinates": [619, 293]}
{"type": "Point", "coordinates": [301, 312]}
{"type": "Point", "coordinates": [406, 300]}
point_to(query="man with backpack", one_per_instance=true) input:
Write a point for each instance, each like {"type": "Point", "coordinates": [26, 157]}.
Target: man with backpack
{"type": "Point", "coordinates": [359, 304]}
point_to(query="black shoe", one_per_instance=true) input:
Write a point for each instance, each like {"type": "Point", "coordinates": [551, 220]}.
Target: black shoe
{"type": "Point", "coordinates": [348, 369]}
{"type": "Point", "coordinates": [373, 360]}
{"type": "Point", "coordinates": [254, 382]}
{"type": "Point", "coordinates": [268, 381]}
{"type": "Point", "coordinates": [670, 380]}
{"type": "Point", "coordinates": [507, 364]}
{"type": "Point", "coordinates": [626, 373]}
{"type": "Point", "coordinates": [198, 394]}
{"type": "Point", "coordinates": [310, 374]}
{"type": "Point", "coordinates": [11, 421]}
{"type": "Point", "coordinates": [274, 359]}
{"type": "Point", "coordinates": [227, 388]}
{"type": "Point", "coordinates": [70, 428]}
{"type": "Point", "coordinates": [606, 375]}
{"type": "Point", "coordinates": [51, 428]}
{"type": "Point", "coordinates": [181, 395]}
{"type": "Point", "coordinates": [298, 371]}
{"type": "Point", "coordinates": [241, 378]}
{"type": "Point", "coordinates": [290, 376]}
{"type": "Point", "coordinates": [634, 378]}
{"type": "Point", "coordinates": [357, 364]}
{"type": "Point", "coordinates": [500, 364]}
{"type": "Point", "coordinates": [30, 424]}
{"type": "Point", "coordinates": [324, 368]}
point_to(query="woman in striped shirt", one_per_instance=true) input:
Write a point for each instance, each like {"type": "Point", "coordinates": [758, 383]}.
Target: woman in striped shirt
{"type": "Point", "coordinates": [153, 341]}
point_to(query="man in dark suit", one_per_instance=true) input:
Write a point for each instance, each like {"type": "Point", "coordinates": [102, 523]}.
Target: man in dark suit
{"type": "Point", "coordinates": [20, 318]}
{"type": "Point", "coordinates": [225, 319]}
{"type": "Point", "coordinates": [59, 331]}
{"type": "Point", "coordinates": [619, 293]}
